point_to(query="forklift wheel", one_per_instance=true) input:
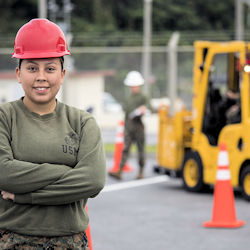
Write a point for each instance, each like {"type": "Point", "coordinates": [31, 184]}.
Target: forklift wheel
{"type": "Point", "coordinates": [192, 172]}
{"type": "Point", "coordinates": [245, 182]}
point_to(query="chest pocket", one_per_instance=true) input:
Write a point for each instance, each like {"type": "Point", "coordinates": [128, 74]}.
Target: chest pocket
{"type": "Point", "coordinates": [56, 145]}
{"type": "Point", "coordinates": [71, 145]}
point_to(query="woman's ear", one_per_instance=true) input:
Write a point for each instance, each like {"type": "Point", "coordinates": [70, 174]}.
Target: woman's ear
{"type": "Point", "coordinates": [18, 74]}
{"type": "Point", "coordinates": [63, 75]}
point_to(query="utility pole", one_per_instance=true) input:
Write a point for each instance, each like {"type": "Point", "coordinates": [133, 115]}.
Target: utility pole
{"type": "Point", "coordinates": [62, 16]}
{"type": "Point", "coordinates": [239, 24]}
{"type": "Point", "coordinates": [146, 57]}
{"type": "Point", "coordinates": [42, 9]}
{"type": "Point", "coordinates": [238, 20]}
{"type": "Point", "coordinates": [53, 10]}
{"type": "Point", "coordinates": [172, 70]}
{"type": "Point", "coordinates": [67, 8]}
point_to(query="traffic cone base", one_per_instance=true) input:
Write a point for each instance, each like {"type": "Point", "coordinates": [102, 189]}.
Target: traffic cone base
{"type": "Point", "coordinates": [224, 224]}
{"type": "Point", "coordinates": [127, 168]}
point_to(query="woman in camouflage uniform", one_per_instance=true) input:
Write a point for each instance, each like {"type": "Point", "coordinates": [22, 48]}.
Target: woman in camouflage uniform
{"type": "Point", "coordinates": [51, 155]}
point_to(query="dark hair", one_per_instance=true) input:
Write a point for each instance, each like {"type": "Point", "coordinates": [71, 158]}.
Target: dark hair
{"type": "Point", "coordinates": [61, 60]}
{"type": "Point", "coordinates": [19, 63]}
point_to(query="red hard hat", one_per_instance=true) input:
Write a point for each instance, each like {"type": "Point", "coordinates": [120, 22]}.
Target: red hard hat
{"type": "Point", "coordinates": [40, 38]}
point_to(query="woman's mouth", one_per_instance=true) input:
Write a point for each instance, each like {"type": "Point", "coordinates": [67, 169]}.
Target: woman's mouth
{"type": "Point", "coordinates": [41, 90]}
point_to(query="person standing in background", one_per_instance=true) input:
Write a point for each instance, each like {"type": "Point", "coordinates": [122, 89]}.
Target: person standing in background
{"type": "Point", "coordinates": [135, 106]}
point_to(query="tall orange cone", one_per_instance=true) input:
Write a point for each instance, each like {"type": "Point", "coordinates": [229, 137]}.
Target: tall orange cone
{"type": "Point", "coordinates": [119, 144]}
{"type": "Point", "coordinates": [88, 234]}
{"type": "Point", "coordinates": [224, 214]}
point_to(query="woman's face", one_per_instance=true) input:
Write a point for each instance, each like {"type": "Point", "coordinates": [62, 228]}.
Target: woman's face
{"type": "Point", "coordinates": [41, 80]}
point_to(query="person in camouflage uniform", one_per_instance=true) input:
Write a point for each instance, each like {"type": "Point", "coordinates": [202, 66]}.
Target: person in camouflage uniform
{"type": "Point", "coordinates": [51, 155]}
{"type": "Point", "coordinates": [136, 105]}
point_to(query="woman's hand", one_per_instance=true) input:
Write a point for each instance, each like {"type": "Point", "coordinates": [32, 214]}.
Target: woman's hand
{"type": "Point", "coordinates": [7, 195]}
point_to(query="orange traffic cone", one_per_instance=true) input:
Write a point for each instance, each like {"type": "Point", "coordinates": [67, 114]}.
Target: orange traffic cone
{"type": "Point", "coordinates": [119, 144]}
{"type": "Point", "coordinates": [88, 234]}
{"type": "Point", "coordinates": [224, 214]}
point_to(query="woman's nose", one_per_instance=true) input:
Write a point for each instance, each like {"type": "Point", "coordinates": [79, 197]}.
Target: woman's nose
{"type": "Point", "coordinates": [41, 77]}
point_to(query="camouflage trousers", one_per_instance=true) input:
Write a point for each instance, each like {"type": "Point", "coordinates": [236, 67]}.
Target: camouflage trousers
{"type": "Point", "coordinates": [133, 133]}
{"type": "Point", "coordinates": [14, 241]}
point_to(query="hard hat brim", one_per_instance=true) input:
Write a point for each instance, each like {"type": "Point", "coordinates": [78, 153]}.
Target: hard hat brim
{"type": "Point", "coordinates": [133, 84]}
{"type": "Point", "coordinates": [28, 55]}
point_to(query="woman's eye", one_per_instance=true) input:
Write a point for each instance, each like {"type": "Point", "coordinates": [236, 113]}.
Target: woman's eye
{"type": "Point", "coordinates": [50, 69]}
{"type": "Point", "coordinates": [31, 68]}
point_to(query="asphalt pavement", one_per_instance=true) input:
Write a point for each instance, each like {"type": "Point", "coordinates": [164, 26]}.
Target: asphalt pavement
{"type": "Point", "coordinates": [155, 213]}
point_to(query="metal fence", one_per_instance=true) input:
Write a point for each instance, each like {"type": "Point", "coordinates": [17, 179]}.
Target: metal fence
{"type": "Point", "coordinates": [122, 60]}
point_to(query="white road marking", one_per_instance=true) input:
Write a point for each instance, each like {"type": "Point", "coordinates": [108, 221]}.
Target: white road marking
{"type": "Point", "coordinates": [135, 183]}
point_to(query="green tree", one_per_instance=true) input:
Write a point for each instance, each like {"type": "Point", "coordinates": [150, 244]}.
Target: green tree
{"type": "Point", "coordinates": [14, 13]}
{"type": "Point", "coordinates": [110, 20]}
{"type": "Point", "coordinates": [193, 15]}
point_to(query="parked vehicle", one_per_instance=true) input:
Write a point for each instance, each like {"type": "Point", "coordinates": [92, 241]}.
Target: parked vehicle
{"type": "Point", "coordinates": [110, 104]}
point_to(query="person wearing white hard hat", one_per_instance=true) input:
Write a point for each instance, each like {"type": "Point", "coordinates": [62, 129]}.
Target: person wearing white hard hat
{"type": "Point", "coordinates": [134, 79]}
{"type": "Point", "coordinates": [51, 155]}
{"type": "Point", "coordinates": [136, 105]}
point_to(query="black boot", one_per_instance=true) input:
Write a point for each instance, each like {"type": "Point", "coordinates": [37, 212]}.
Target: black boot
{"type": "Point", "coordinates": [117, 174]}
{"type": "Point", "coordinates": [140, 175]}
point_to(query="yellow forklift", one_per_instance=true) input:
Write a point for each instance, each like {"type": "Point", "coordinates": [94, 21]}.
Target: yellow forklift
{"type": "Point", "coordinates": [188, 140]}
